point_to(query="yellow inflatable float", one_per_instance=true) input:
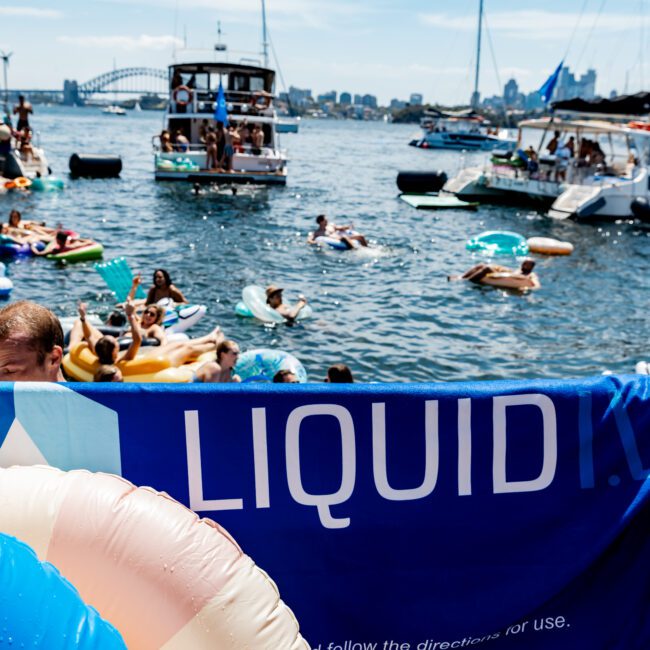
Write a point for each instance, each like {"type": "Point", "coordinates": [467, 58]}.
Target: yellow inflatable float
{"type": "Point", "coordinates": [80, 364]}
{"type": "Point", "coordinates": [163, 577]}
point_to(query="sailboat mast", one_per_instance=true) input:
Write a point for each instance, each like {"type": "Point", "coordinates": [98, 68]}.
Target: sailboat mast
{"type": "Point", "coordinates": [265, 44]}
{"type": "Point", "coordinates": [475, 94]}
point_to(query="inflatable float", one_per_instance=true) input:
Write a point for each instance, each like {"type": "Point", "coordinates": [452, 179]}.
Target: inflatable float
{"type": "Point", "coordinates": [10, 248]}
{"type": "Point", "coordinates": [92, 251]}
{"type": "Point", "coordinates": [549, 246]}
{"type": "Point", "coordinates": [336, 243]}
{"type": "Point", "coordinates": [6, 285]}
{"type": "Point", "coordinates": [19, 183]}
{"type": "Point", "coordinates": [80, 364]}
{"type": "Point", "coordinates": [163, 577]}
{"type": "Point", "coordinates": [181, 317]}
{"type": "Point", "coordinates": [119, 278]}
{"type": "Point", "coordinates": [49, 184]}
{"type": "Point", "coordinates": [496, 242]}
{"type": "Point", "coordinates": [253, 304]}
{"type": "Point", "coordinates": [510, 281]}
{"type": "Point", "coordinates": [43, 609]}
{"type": "Point", "coordinates": [261, 365]}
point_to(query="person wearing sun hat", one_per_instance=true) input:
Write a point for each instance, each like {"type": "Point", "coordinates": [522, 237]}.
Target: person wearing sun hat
{"type": "Point", "coordinates": [274, 300]}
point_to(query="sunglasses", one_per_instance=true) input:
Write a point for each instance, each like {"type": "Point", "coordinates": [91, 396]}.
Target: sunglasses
{"type": "Point", "coordinates": [150, 313]}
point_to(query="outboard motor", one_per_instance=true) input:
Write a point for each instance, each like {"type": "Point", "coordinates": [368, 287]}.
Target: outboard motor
{"type": "Point", "coordinates": [420, 182]}
{"type": "Point", "coordinates": [641, 208]}
{"type": "Point", "coordinates": [95, 166]}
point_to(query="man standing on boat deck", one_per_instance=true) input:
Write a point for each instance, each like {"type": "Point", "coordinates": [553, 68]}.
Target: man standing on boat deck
{"type": "Point", "coordinates": [31, 343]}
{"type": "Point", "coordinates": [23, 109]}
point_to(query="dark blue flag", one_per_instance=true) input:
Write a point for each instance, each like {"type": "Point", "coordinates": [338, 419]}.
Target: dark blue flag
{"type": "Point", "coordinates": [546, 91]}
{"type": "Point", "coordinates": [220, 110]}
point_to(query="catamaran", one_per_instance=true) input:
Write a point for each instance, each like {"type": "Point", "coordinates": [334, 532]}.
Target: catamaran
{"type": "Point", "coordinates": [583, 167]}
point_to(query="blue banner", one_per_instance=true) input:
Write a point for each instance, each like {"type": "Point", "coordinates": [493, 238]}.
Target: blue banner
{"type": "Point", "coordinates": [393, 517]}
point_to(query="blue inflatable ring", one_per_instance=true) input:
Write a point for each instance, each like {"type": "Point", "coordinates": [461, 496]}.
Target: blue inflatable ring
{"type": "Point", "coordinates": [261, 365]}
{"type": "Point", "coordinates": [496, 242]}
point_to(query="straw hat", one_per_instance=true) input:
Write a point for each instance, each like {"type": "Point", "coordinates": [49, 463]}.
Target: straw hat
{"type": "Point", "coordinates": [5, 133]}
{"type": "Point", "coordinates": [271, 289]}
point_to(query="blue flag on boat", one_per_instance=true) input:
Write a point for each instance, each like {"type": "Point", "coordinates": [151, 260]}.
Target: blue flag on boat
{"type": "Point", "coordinates": [220, 110]}
{"type": "Point", "coordinates": [546, 91]}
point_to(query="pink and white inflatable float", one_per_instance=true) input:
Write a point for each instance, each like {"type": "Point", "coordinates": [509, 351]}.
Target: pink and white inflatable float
{"type": "Point", "coordinates": [162, 576]}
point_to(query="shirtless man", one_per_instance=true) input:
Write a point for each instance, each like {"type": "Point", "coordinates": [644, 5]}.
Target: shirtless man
{"type": "Point", "coordinates": [274, 300]}
{"type": "Point", "coordinates": [31, 343]}
{"type": "Point", "coordinates": [23, 109]}
{"type": "Point", "coordinates": [326, 229]}
{"type": "Point", "coordinates": [502, 276]}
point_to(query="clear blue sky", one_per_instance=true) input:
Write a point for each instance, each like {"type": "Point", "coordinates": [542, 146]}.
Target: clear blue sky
{"type": "Point", "coordinates": [389, 48]}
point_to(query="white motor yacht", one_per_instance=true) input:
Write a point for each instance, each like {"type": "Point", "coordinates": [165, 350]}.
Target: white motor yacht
{"type": "Point", "coordinates": [460, 131]}
{"type": "Point", "coordinates": [113, 110]}
{"type": "Point", "coordinates": [191, 112]}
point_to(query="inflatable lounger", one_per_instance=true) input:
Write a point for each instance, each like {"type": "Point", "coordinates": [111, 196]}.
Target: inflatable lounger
{"type": "Point", "coordinates": [119, 277]}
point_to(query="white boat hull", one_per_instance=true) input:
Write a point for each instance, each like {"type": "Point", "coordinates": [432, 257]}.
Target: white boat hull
{"type": "Point", "coordinates": [611, 198]}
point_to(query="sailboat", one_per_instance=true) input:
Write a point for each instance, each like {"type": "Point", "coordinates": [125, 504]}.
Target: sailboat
{"type": "Point", "coordinates": [463, 130]}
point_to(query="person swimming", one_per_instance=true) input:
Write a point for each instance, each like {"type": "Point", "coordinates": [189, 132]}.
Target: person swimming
{"type": "Point", "coordinates": [274, 300]}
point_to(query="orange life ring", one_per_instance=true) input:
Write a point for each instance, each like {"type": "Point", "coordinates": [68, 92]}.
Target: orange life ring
{"type": "Point", "coordinates": [10, 185]}
{"type": "Point", "coordinates": [645, 126]}
{"type": "Point", "coordinates": [22, 182]}
{"type": "Point", "coordinates": [178, 90]}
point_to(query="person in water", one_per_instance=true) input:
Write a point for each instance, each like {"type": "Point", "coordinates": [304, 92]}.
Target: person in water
{"type": "Point", "coordinates": [221, 371]}
{"type": "Point", "coordinates": [495, 275]}
{"type": "Point", "coordinates": [339, 373]}
{"type": "Point", "coordinates": [342, 233]}
{"type": "Point", "coordinates": [62, 244]}
{"type": "Point", "coordinates": [274, 300]}
{"type": "Point", "coordinates": [285, 377]}
{"type": "Point", "coordinates": [107, 348]}
{"type": "Point", "coordinates": [31, 343]}
{"type": "Point", "coordinates": [162, 288]}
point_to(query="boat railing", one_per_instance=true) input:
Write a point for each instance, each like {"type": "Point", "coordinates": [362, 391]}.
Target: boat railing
{"type": "Point", "coordinates": [200, 148]}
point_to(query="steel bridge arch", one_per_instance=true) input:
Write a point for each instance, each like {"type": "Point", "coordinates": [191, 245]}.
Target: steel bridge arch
{"type": "Point", "coordinates": [97, 84]}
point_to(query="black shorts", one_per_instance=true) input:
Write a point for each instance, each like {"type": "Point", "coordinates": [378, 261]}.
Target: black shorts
{"type": "Point", "coordinates": [21, 125]}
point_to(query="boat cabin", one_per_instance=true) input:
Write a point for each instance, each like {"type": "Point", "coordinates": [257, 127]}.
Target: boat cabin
{"type": "Point", "coordinates": [194, 87]}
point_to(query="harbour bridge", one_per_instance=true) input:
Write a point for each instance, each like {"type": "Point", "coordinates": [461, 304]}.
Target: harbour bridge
{"type": "Point", "coordinates": [133, 81]}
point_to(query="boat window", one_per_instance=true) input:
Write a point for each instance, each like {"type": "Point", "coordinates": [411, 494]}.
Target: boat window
{"type": "Point", "coordinates": [214, 80]}
{"type": "Point", "coordinates": [256, 84]}
{"type": "Point", "coordinates": [238, 82]}
{"type": "Point", "coordinates": [198, 80]}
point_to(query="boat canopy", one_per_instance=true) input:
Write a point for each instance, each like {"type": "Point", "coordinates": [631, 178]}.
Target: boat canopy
{"type": "Point", "coordinates": [622, 106]}
{"type": "Point", "coordinates": [466, 114]}
{"type": "Point", "coordinates": [584, 126]}
{"type": "Point", "coordinates": [235, 77]}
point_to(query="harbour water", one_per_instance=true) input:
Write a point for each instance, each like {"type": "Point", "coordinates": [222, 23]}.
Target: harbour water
{"type": "Point", "coordinates": [388, 311]}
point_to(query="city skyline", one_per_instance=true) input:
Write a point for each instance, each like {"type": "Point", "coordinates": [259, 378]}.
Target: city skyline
{"type": "Point", "coordinates": [342, 45]}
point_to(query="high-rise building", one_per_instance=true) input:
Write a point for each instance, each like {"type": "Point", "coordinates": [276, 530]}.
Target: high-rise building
{"type": "Point", "coordinates": [415, 99]}
{"type": "Point", "coordinates": [298, 96]}
{"type": "Point", "coordinates": [511, 93]}
{"type": "Point", "coordinates": [345, 98]}
{"type": "Point", "coordinates": [369, 100]}
{"type": "Point", "coordinates": [358, 100]}
{"type": "Point", "coordinates": [569, 87]}
{"type": "Point", "coordinates": [397, 104]}
{"type": "Point", "coordinates": [327, 97]}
